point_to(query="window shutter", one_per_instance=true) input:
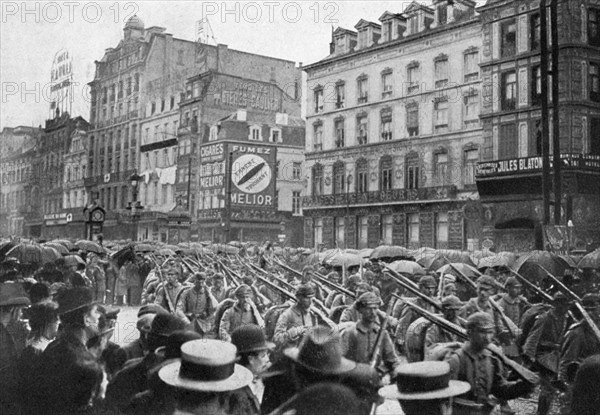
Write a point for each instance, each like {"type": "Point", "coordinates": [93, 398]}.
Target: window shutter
{"type": "Point", "coordinates": [522, 34]}
{"type": "Point", "coordinates": [523, 140]}
{"type": "Point", "coordinates": [496, 97]}
{"type": "Point", "coordinates": [523, 87]}
{"type": "Point", "coordinates": [495, 40]}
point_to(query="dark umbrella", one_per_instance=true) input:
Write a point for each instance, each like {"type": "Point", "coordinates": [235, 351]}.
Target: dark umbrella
{"type": "Point", "coordinates": [63, 250]}
{"type": "Point", "coordinates": [390, 251]}
{"type": "Point", "coordinates": [26, 253]}
{"type": "Point", "coordinates": [591, 260]}
{"type": "Point", "coordinates": [526, 265]}
{"type": "Point", "coordinates": [73, 260]}
{"type": "Point", "coordinates": [144, 248]}
{"type": "Point", "coordinates": [68, 244]}
{"type": "Point", "coordinates": [90, 246]}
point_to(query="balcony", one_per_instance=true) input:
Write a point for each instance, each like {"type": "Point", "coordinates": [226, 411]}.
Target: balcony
{"type": "Point", "coordinates": [385, 196]}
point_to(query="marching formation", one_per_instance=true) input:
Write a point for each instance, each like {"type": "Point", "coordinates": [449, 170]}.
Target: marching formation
{"type": "Point", "coordinates": [262, 333]}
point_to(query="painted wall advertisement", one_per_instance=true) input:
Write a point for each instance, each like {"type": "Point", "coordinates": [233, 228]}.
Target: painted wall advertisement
{"type": "Point", "coordinates": [253, 176]}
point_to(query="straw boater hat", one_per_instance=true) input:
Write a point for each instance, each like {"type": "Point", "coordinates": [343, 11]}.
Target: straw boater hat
{"type": "Point", "coordinates": [424, 381]}
{"type": "Point", "coordinates": [320, 351]}
{"type": "Point", "coordinates": [206, 366]}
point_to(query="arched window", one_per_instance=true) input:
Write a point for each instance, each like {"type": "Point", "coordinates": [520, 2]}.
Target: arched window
{"type": "Point", "coordinates": [385, 173]}
{"type": "Point", "coordinates": [412, 163]}
{"type": "Point", "coordinates": [362, 175]}
{"type": "Point", "coordinates": [317, 180]}
{"type": "Point", "coordinates": [339, 177]}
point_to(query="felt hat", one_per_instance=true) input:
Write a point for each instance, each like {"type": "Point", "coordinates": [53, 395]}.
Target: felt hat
{"type": "Point", "coordinates": [424, 381]}
{"type": "Point", "coordinates": [74, 298]}
{"type": "Point", "coordinates": [144, 322]}
{"type": "Point", "coordinates": [305, 290]}
{"type": "Point", "coordinates": [13, 294]}
{"type": "Point", "coordinates": [206, 365]}
{"type": "Point", "coordinates": [172, 350]}
{"type": "Point", "coordinates": [165, 324]}
{"type": "Point", "coordinates": [250, 338]}
{"type": "Point", "coordinates": [481, 321]}
{"type": "Point", "coordinates": [151, 309]}
{"type": "Point", "coordinates": [320, 351]}
{"type": "Point", "coordinates": [322, 398]}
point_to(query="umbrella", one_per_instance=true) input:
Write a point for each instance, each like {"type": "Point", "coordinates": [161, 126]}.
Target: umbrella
{"type": "Point", "coordinates": [237, 244]}
{"type": "Point", "coordinates": [526, 265]}
{"type": "Point", "coordinates": [59, 247]}
{"type": "Point", "coordinates": [166, 252]}
{"type": "Point", "coordinates": [390, 251]}
{"type": "Point", "coordinates": [435, 260]}
{"type": "Point", "coordinates": [408, 268]}
{"type": "Point", "coordinates": [49, 254]}
{"type": "Point", "coordinates": [26, 253]}
{"type": "Point", "coordinates": [171, 247]}
{"type": "Point", "coordinates": [5, 247]}
{"type": "Point", "coordinates": [143, 248]}
{"type": "Point", "coordinates": [73, 260]}
{"type": "Point", "coordinates": [497, 259]}
{"type": "Point", "coordinates": [224, 248]}
{"type": "Point", "coordinates": [68, 244]}
{"type": "Point", "coordinates": [342, 258]}
{"type": "Point", "coordinates": [365, 253]}
{"type": "Point", "coordinates": [467, 270]}
{"type": "Point", "coordinates": [591, 260]}
{"type": "Point", "coordinates": [90, 246]}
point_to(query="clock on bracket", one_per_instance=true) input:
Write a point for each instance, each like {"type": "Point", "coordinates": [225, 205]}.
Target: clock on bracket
{"type": "Point", "coordinates": [97, 216]}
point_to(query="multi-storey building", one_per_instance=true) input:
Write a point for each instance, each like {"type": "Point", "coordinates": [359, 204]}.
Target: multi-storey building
{"type": "Point", "coordinates": [509, 178]}
{"type": "Point", "coordinates": [393, 131]}
{"type": "Point", "coordinates": [17, 153]}
{"type": "Point", "coordinates": [46, 217]}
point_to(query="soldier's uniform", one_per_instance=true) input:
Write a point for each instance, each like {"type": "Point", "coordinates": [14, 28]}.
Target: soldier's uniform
{"type": "Point", "coordinates": [408, 315]}
{"type": "Point", "coordinates": [294, 322]}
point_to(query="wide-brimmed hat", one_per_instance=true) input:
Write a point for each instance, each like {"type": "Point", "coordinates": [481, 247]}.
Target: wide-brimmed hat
{"type": "Point", "coordinates": [13, 294]}
{"type": "Point", "coordinates": [206, 366]}
{"type": "Point", "coordinates": [250, 338]}
{"type": "Point", "coordinates": [423, 381]}
{"type": "Point", "coordinates": [74, 298]}
{"type": "Point", "coordinates": [165, 324]}
{"type": "Point", "coordinates": [320, 351]}
{"type": "Point", "coordinates": [151, 309]}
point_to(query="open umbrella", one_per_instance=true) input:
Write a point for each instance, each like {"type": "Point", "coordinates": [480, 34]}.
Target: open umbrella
{"type": "Point", "coordinates": [26, 253]}
{"type": "Point", "coordinates": [341, 258]}
{"type": "Point", "coordinates": [591, 260]}
{"type": "Point", "coordinates": [144, 248]}
{"type": "Point", "coordinates": [434, 260]}
{"type": "Point", "coordinates": [526, 265]}
{"type": "Point", "coordinates": [497, 259]}
{"type": "Point", "coordinates": [166, 252]}
{"type": "Point", "coordinates": [390, 251]}
{"type": "Point", "coordinates": [73, 260]}
{"type": "Point", "coordinates": [68, 244]}
{"type": "Point", "coordinates": [49, 254]}
{"type": "Point", "coordinates": [467, 270]}
{"type": "Point", "coordinates": [408, 268]}
{"type": "Point", "coordinates": [90, 246]}
{"type": "Point", "coordinates": [59, 247]}
{"type": "Point", "coordinates": [365, 253]}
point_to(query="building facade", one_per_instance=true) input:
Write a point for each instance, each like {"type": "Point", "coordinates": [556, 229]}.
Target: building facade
{"type": "Point", "coordinates": [393, 131]}
{"type": "Point", "coordinates": [509, 178]}
{"type": "Point", "coordinates": [17, 154]}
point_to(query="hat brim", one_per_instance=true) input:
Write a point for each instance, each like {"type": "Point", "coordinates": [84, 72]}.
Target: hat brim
{"type": "Point", "coordinates": [265, 346]}
{"type": "Point", "coordinates": [60, 312]}
{"type": "Point", "coordinates": [455, 388]}
{"type": "Point", "coordinates": [24, 301]}
{"type": "Point", "coordinates": [346, 365]}
{"type": "Point", "coordinates": [170, 374]}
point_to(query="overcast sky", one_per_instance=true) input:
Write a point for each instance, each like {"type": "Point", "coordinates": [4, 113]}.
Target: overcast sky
{"type": "Point", "coordinates": [32, 32]}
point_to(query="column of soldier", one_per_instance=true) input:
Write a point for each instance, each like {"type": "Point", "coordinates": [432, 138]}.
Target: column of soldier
{"type": "Point", "coordinates": [225, 335]}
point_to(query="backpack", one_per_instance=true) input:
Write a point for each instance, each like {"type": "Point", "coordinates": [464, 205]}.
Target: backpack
{"type": "Point", "coordinates": [221, 308]}
{"type": "Point", "coordinates": [528, 321]}
{"type": "Point", "coordinates": [415, 340]}
{"type": "Point", "coordinates": [271, 317]}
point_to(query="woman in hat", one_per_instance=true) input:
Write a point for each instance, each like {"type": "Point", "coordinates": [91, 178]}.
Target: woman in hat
{"type": "Point", "coordinates": [425, 388]}
{"type": "Point", "coordinates": [206, 379]}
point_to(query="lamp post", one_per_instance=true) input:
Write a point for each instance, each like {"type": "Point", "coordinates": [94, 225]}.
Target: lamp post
{"type": "Point", "coordinates": [349, 179]}
{"type": "Point", "coordinates": [134, 204]}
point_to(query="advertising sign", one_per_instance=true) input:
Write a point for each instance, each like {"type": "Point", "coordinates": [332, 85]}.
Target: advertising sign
{"type": "Point", "coordinates": [61, 79]}
{"type": "Point", "coordinates": [212, 166]}
{"type": "Point", "coordinates": [253, 176]}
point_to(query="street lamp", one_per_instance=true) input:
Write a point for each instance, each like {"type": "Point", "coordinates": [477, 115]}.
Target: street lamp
{"type": "Point", "coordinates": [349, 179]}
{"type": "Point", "coordinates": [134, 204]}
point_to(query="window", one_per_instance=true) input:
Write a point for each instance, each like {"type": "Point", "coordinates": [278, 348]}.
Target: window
{"type": "Point", "coordinates": [534, 28]}
{"type": "Point", "coordinates": [172, 102]}
{"type": "Point", "coordinates": [339, 133]}
{"type": "Point", "coordinates": [441, 230]}
{"type": "Point", "coordinates": [412, 172]}
{"type": "Point", "coordinates": [339, 178]}
{"type": "Point", "coordinates": [441, 72]}
{"type": "Point", "coordinates": [255, 133]}
{"type": "Point", "coordinates": [363, 39]}
{"type": "Point", "coordinates": [412, 78]}
{"type": "Point", "coordinates": [387, 226]}
{"type": "Point", "coordinates": [387, 86]}
{"type": "Point", "coordinates": [441, 116]}
{"type": "Point", "coordinates": [340, 231]}
{"type": "Point", "coordinates": [509, 91]}
{"type": "Point", "coordinates": [508, 147]}
{"type": "Point", "coordinates": [214, 133]}
{"type": "Point", "coordinates": [318, 95]}
{"type": "Point", "coordinates": [386, 125]}
{"type": "Point", "coordinates": [165, 193]}
{"type": "Point", "coordinates": [153, 108]}
{"type": "Point", "coordinates": [593, 26]}
{"type": "Point", "coordinates": [413, 228]}
{"type": "Point", "coordinates": [536, 85]}
{"type": "Point", "coordinates": [385, 173]}
{"type": "Point", "coordinates": [340, 95]}
{"type": "Point", "coordinates": [594, 82]}
{"type": "Point", "coordinates": [162, 105]}
{"type": "Point", "coordinates": [412, 120]}
{"type": "Point", "coordinates": [471, 118]}
{"type": "Point", "coordinates": [440, 166]}
{"type": "Point", "coordinates": [317, 180]}
{"type": "Point", "coordinates": [471, 66]}
{"type": "Point", "coordinates": [275, 136]}
{"type": "Point", "coordinates": [471, 157]}
{"type": "Point", "coordinates": [362, 87]}
{"type": "Point", "coordinates": [362, 176]}
{"type": "Point", "coordinates": [362, 129]}
{"type": "Point", "coordinates": [508, 31]}
{"type": "Point", "coordinates": [296, 170]}
{"type": "Point", "coordinates": [318, 137]}
{"type": "Point", "coordinates": [363, 232]}
{"type": "Point", "coordinates": [387, 31]}
{"type": "Point", "coordinates": [318, 231]}
{"type": "Point", "coordinates": [296, 203]}
{"type": "Point", "coordinates": [594, 146]}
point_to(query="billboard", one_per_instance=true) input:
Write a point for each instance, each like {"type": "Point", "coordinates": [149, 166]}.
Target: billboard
{"type": "Point", "coordinates": [61, 80]}
{"type": "Point", "coordinates": [253, 176]}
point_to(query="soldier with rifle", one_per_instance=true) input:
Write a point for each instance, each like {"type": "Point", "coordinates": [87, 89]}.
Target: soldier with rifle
{"type": "Point", "coordinates": [198, 305]}
{"type": "Point", "coordinates": [241, 313]}
{"type": "Point", "coordinates": [294, 322]}
{"type": "Point", "coordinates": [168, 292]}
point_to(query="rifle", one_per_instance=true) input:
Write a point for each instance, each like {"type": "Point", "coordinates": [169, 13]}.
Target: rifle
{"type": "Point", "coordinates": [523, 372]}
{"type": "Point", "coordinates": [319, 280]}
{"type": "Point", "coordinates": [537, 290]}
{"type": "Point", "coordinates": [510, 325]}
{"type": "Point", "coordinates": [262, 271]}
{"type": "Point", "coordinates": [402, 280]}
{"type": "Point", "coordinates": [164, 284]}
{"type": "Point", "coordinates": [577, 300]}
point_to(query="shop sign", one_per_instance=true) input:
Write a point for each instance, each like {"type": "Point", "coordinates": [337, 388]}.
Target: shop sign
{"type": "Point", "coordinates": [253, 176]}
{"type": "Point", "coordinates": [56, 219]}
{"type": "Point", "coordinates": [535, 164]}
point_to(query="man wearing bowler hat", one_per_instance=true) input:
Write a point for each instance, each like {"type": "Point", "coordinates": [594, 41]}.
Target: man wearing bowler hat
{"type": "Point", "coordinates": [297, 319]}
{"type": "Point", "coordinates": [425, 388]}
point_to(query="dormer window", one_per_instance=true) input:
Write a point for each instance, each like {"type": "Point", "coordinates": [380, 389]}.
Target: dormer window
{"type": "Point", "coordinates": [387, 34]}
{"type": "Point", "coordinates": [340, 44]}
{"type": "Point", "coordinates": [363, 38]}
{"type": "Point", "coordinates": [275, 136]}
{"type": "Point", "coordinates": [214, 133]}
{"type": "Point", "coordinates": [255, 133]}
